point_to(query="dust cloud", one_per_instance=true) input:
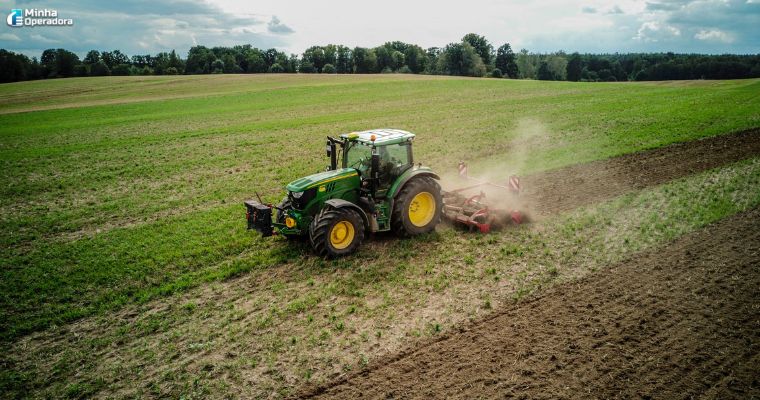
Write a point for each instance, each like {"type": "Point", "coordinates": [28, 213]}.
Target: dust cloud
{"type": "Point", "coordinates": [496, 171]}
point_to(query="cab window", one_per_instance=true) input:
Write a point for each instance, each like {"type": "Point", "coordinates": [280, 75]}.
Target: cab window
{"type": "Point", "coordinates": [357, 156]}
{"type": "Point", "coordinates": [394, 160]}
{"type": "Point", "coordinates": [395, 155]}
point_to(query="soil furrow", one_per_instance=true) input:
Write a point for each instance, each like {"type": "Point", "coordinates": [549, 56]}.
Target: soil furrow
{"type": "Point", "coordinates": [678, 322]}
{"type": "Point", "coordinates": [564, 189]}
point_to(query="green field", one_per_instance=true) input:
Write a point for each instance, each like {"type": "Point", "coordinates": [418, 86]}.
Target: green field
{"type": "Point", "coordinates": [122, 217]}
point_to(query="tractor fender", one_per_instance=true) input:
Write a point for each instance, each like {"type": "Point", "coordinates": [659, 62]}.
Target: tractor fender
{"type": "Point", "coordinates": [340, 203]}
{"type": "Point", "coordinates": [409, 175]}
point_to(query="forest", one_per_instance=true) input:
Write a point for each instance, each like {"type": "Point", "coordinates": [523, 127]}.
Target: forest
{"type": "Point", "coordinates": [473, 56]}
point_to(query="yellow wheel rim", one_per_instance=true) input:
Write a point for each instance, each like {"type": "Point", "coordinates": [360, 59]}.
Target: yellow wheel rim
{"type": "Point", "coordinates": [342, 235]}
{"type": "Point", "coordinates": [422, 209]}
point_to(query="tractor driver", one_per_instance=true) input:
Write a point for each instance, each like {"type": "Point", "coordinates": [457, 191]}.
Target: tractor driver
{"type": "Point", "coordinates": [360, 158]}
{"type": "Point", "coordinates": [387, 164]}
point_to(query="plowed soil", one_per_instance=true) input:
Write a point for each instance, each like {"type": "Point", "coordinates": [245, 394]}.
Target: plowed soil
{"type": "Point", "coordinates": [679, 322]}
{"type": "Point", "coordinates": [578, 185]}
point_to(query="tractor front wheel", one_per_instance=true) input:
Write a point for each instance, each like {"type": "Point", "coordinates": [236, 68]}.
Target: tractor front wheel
{"type": "Point", "coordinates": [417, 208]}
{"type": "Point", "coordinates": [336, 232]}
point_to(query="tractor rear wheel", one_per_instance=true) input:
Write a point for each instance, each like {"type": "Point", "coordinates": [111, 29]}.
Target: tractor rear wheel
{"type": "Point", "coordinates": [417, 208]}
{"type": "Point", "coordinates": [336, 232]}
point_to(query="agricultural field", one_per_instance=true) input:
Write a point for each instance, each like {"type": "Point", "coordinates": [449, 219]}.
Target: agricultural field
{"type": "Point", "coordinates": [127, 270]}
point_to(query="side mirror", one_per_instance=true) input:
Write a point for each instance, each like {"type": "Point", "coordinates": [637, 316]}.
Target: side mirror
{"type": "Point", "coordinates": [330, 149]}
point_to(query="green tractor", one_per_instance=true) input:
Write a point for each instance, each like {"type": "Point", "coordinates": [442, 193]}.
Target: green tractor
{"type": "Point", "coordinates": [371, 185]}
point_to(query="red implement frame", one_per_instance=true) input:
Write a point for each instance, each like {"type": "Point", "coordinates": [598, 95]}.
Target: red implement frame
{"type": "Point", "coordinates": [474, 211]}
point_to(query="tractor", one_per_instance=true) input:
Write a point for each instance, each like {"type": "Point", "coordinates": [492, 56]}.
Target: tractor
{"type": "Point", "coordinates": [371, 185]}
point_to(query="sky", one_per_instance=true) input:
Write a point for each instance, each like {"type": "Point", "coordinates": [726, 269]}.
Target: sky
{"type": "Point", "coordinates": [148, 27]}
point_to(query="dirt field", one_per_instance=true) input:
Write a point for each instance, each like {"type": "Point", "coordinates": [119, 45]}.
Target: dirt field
{"type": "Point", "coordinates": [678, 322]}
{"type": "Point", "coordinates": [564, 189]}
{"type": "Point", "coordinates": [225, 339]}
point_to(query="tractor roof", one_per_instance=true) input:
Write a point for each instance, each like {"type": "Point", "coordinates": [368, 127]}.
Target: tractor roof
{"type": "Point", "coordinates": [382, 136]}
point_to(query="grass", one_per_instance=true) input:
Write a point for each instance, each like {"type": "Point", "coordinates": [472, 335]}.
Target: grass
{"type": "Point", "coordinates": [118, 192]}
{"type": "Point", "coordinates": [106, 204]}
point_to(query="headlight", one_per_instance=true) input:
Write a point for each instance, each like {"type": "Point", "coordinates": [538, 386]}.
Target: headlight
{"type": "Point", "coordinates": [296, 195]}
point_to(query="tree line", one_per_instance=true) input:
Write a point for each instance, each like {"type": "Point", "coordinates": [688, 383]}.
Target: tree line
{"type": "Point", "coordinates": [473, 56]}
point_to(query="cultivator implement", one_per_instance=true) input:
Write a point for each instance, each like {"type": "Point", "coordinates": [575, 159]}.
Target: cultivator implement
{"type": "Point", "coordinates": [469, 206]}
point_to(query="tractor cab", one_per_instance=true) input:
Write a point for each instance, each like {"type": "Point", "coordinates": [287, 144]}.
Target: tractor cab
{"type": "Point", "coordinates": [380, 157]}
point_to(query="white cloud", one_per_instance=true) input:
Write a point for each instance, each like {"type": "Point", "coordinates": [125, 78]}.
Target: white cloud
{"type": "Point", "coordinates": [714, 35]}
{"type": "Point", "coordinates": [277, 27]}
{"type": "Point", "coordinates": [43, 39]}
{"type": "Point", "coordinates": [615, 10]}
{"type": "Point", "coordinates": [654, 31]}
{"type": "Point", "coordinates": [582, 23]}
{"type": "Point", "coordinates": [10, 36]}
